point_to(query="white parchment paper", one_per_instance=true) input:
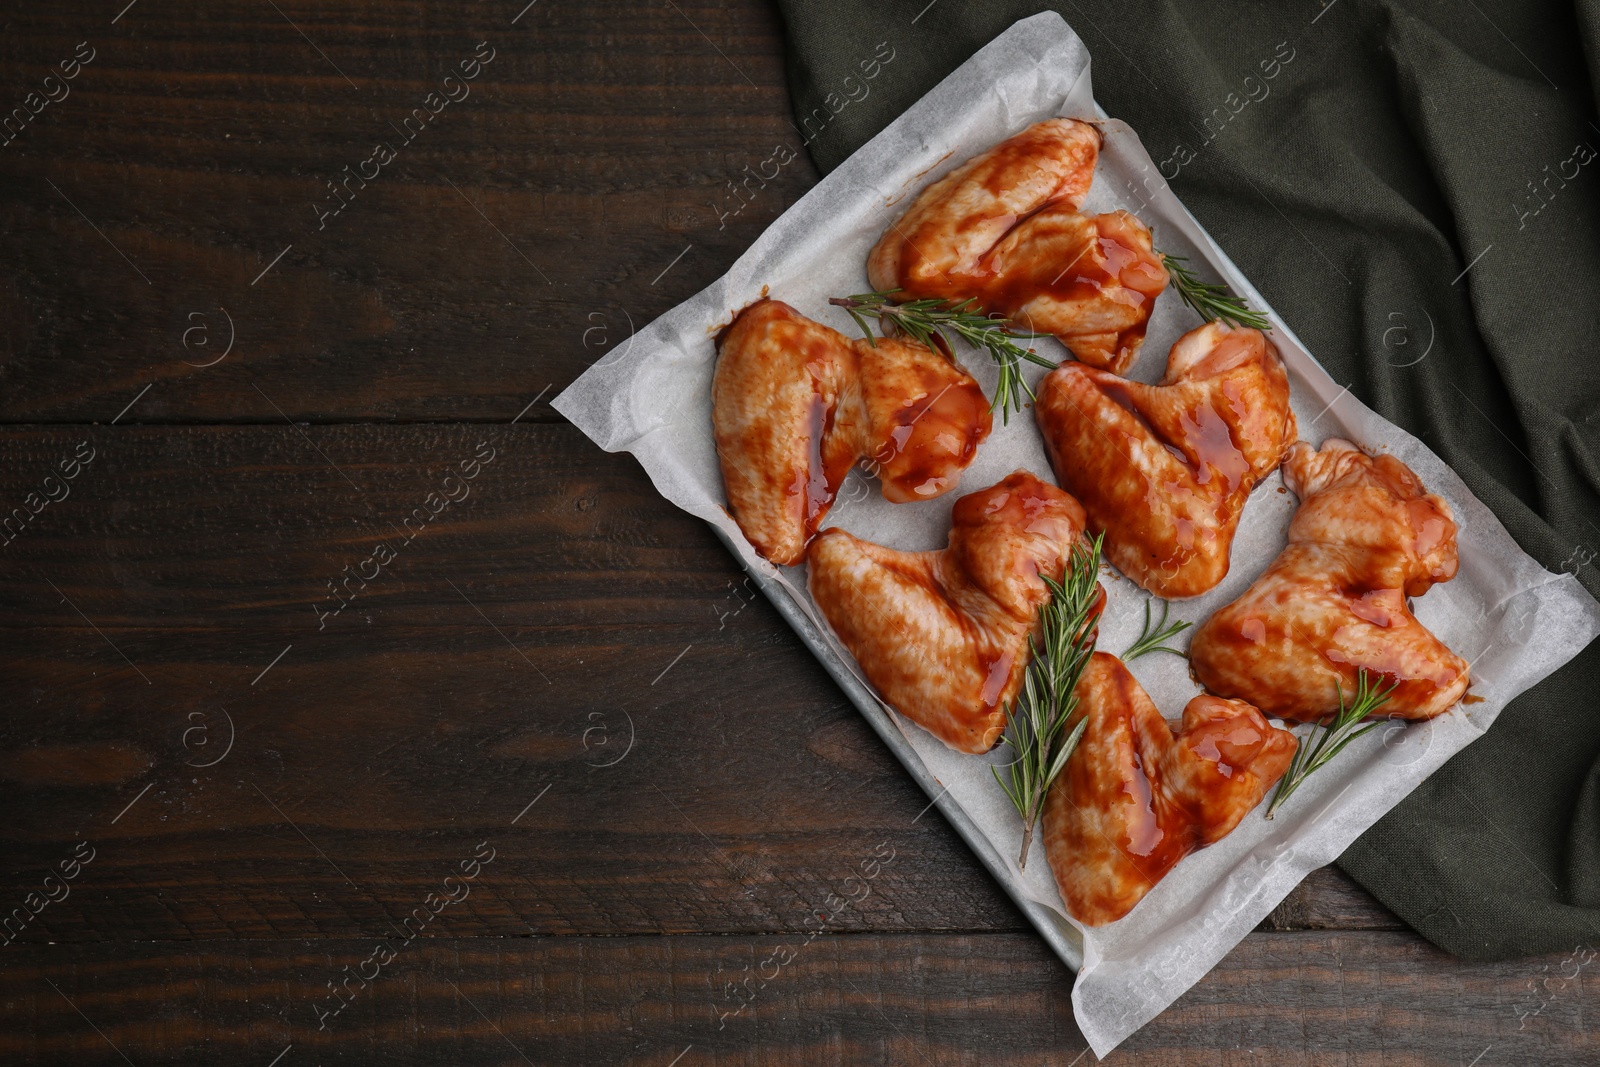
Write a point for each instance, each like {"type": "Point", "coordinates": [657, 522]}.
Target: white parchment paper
{"type": "Point", "coordinates": [1512, 619]}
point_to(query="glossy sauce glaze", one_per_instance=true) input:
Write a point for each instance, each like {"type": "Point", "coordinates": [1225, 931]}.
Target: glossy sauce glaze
{"type": "Point", "coordinates": [1136, 798]}
{"type": "Point", "coordinates": [954, 222]}
{"type": "Point", "coordinates": [1164, 470]}
{"type": "Point", "coordinates": [1005, 230]}
{"type": "Point", "coordinates": [921, 419]}
{"type": "Point", "coordinates": [814, 481]}
{"type": "Point", "coordinates": [1091, 280]}
{"type": "Point", "coordinates": [1334, 603]}
{"type": "Point", "coordinates": [943, 635]}
{"type": "Point", "coordinates": [795, 405]}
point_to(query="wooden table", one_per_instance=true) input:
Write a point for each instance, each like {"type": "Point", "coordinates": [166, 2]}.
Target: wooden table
{"type": "Point", "coordinates": [551, 785]}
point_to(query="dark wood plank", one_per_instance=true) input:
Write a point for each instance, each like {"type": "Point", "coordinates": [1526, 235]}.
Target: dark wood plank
{"type": "Point", "coordinates": [1283, 999]}
{"type": "Point", "coordinates": [594, 149]}
{"type": "Point", "coordinates": [412, 722]}
{"type": "Point", "coordinates": [1329, 899]}
{"type": "Point", "coordinates": [243, 528]}
{"type": "Point", "coordinates": [410, 725]}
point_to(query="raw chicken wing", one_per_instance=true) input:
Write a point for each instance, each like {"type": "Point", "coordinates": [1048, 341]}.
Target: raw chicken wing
{"type": "Point", "coordinates": [1366, 537]}
{"type": "Point", "coordinates": [1091, 280]}
{"type": "Point", "coordinates": [955, 221]}
{"type": "Point", "coordinates": [1134, 798]}
{"type": "Point", "coordinates": [1005, 229]}
{"type": "Point", "coordinates": [795, 405]}
{"type": "Point", "coordinates": [943, 635]}
{"type": "Point", "coordinates": [1164, 470]}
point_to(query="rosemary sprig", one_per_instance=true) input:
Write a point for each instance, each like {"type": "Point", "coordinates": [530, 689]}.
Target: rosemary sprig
{"type": "Point", "coordinates": [935, 322]}
{"type": "Point", "coordinates": [1154, 638]}
{"type": "Point", "coordinates": [1038, 717]}
{"type": "Point", "coordinates": [1212, 300]}
{"type": "Point", "coordinates": [1325, 742]}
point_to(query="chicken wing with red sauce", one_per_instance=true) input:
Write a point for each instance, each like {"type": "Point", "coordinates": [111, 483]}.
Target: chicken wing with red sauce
{"type": "Point", "coordinates": [1091, 280]}
{"type": "Point", "coordinates": [943, 635]}
{"type": "Point", "coordinates": [1366, 537]}
{"type": "Point", "coordinates": [1005, 229]}
{"type": "Point", "coordinates": [1164, 470]}
{"type": "Point", "coordinates": [795, 405]}
{"type": "Point", "coordinates": [1135, 798]}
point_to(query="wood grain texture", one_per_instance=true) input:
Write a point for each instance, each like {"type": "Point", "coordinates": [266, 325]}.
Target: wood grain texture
{"type": "Point", "coordinates": [412, 717]}
{"type": "Point", "coordinates": [1284, 999]}
{"type": "Point", "coordinates": [508, 245]}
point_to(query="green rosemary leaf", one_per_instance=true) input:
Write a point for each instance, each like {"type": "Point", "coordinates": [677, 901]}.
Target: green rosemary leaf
{"type": "Point", "coordinates": [938, 323]}
{"type": "Point", "coordinates": [1154, 638]}
{"type": "Point", "coordinates": [1212, 300]}
{"type": "Point", "coordinates": [1037, 720]}
{"type": "Point", "coordinates": [1323, 743]}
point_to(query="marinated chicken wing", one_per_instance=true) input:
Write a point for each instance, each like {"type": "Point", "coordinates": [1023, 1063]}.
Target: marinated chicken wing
{"type": "Point", "coordinates": [1135, 798]}
{"type": "Point", "coordinates": [943, 635]}
{"type": "Point", "coordinates": [1366, 537]}
{"type": "Point", "coordinates": [1091, 280]}
{"type": "Point", "coordinates": [1164, 470]}
{"type": "Point", "coordinates": [795, 405]}
{"type": "Point", "coordinates": [955, 221]}
{"type": "Point", "coordinates": [1005, 229]}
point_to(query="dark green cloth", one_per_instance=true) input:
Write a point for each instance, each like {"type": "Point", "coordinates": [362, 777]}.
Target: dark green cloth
{"type": "Point", "coordinates": [1396, 145]}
